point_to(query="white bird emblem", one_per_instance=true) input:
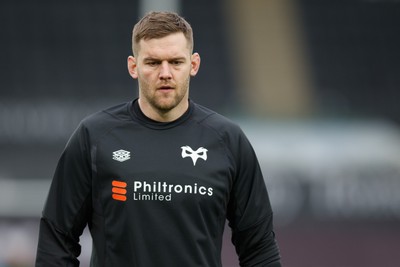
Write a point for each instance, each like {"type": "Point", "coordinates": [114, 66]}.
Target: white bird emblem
{"type": "Point", "coordinates": [201, 152]}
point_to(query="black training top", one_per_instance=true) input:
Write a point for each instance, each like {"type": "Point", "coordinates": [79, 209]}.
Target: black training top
{"type": "Point", "coordinates": [157, 194]}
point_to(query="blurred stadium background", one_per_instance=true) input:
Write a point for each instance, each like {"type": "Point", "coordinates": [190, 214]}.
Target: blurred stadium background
{"type": "Point", "coordinates": [314, 84]}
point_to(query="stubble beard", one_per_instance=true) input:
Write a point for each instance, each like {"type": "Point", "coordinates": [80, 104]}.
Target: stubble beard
{"type": "Point", "coordinates": [165, 102]}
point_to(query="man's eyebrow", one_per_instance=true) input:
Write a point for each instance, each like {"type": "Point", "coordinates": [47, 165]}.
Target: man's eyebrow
{"type": "Point", "coordinates": [169, 59]}
{"type": "Point", "coordinates": [151, 59]}
{"type": "Point", "coordinates": [178, 58]}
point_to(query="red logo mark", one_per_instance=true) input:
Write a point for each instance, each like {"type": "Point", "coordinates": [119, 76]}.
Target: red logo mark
{"type": "Point", "coordinates": [119, 191]}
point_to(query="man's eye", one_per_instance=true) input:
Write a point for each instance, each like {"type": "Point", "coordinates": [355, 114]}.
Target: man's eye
{"type": "Point", "coordinates": [152, 63]}
{"type": "Point", "coordinates": [177, 62]}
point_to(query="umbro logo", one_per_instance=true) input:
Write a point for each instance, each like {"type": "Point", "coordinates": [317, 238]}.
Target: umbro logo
{"type": "Point", "coordinates": [121, 155]}
{"type": "Point", "coordinates": [200, 153]}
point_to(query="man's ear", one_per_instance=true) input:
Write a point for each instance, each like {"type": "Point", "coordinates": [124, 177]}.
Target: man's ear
{"type": "Point", "coordinates": [195, 64]}
{"type": "Point", "coordinates": [132, 67]}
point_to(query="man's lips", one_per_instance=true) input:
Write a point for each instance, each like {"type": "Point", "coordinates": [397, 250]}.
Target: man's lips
{"type": "Point", "coordinates": [165, 88]}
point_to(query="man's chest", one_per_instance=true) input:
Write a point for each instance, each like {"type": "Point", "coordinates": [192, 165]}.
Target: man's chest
{"type": "Point", "coordinates": [173, 167]}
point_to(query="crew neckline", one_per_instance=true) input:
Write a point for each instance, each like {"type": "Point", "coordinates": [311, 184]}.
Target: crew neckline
{"type": "Point", "coordinates": [138, 114]}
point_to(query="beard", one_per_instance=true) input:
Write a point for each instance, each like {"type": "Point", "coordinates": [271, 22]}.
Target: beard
{"type": "Point", "coordinates": [162, 101]}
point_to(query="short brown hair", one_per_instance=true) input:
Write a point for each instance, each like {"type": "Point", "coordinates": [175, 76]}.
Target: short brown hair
{"type": "Point", "coordinates": [158, 25]}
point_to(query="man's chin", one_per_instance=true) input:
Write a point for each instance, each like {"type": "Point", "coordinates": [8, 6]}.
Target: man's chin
{"type": "Point", "coordinates": [165, 106]}
{"type": "Point", "coordinates": [167, 103]}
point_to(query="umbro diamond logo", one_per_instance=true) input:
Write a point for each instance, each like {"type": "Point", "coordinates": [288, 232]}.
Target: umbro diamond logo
{"type": "Point", "coordinates": [201, 153]}
{"type": "Point", "coordinates": [121, 155]}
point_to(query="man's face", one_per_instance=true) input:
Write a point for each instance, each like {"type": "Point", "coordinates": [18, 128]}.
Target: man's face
{"type": "Point", "coordinates": [163, 68]}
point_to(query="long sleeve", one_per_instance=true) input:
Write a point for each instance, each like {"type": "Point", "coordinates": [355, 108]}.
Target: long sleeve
{"type": "Point", "coordinates": [249, 212]}
{"type": "Point", "coordinates": [67, 208]}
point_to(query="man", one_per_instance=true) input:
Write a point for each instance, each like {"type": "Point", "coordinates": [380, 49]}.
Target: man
{"type": "Point", "coordinates": [155, 178]}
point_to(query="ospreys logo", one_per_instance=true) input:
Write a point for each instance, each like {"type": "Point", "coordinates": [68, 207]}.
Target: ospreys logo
{"type": "Point", "coordinates": [201, 153]}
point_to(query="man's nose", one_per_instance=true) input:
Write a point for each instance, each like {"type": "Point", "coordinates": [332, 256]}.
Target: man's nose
{"type": "Point", "coordinates": [165, 71]}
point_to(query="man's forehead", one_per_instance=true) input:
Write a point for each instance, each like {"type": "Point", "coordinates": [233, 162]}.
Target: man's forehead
{"type": "Point", "coordinates": [174, 44]}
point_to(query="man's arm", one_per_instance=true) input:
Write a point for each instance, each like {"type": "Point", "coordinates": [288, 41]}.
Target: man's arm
{"type": "Point", "coordinates": [249, 212]}
{"type": "Point", "coordinates": [68, 206]}
{"type": "Point", "coordinates": [256, 245]}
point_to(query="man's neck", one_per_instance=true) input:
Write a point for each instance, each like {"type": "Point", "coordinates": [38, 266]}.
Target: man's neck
{"type": "Point", "coordinates": [162, 115]}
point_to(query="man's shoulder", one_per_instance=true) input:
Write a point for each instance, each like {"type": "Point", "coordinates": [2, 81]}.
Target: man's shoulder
{"type": "Point", "coordinates": [107, 118]}
{"type": "Point", "coordinates": [114, 113]}
{"type": "Point", "coordinates": [215, 120]}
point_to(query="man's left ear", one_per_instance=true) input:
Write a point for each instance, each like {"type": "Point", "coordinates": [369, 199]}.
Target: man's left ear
{"type": "Point", "coordinates": [195, 64]}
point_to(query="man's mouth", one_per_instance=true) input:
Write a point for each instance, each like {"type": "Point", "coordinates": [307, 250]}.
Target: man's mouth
{"type": "Point", "coordinates": [165, 88]}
